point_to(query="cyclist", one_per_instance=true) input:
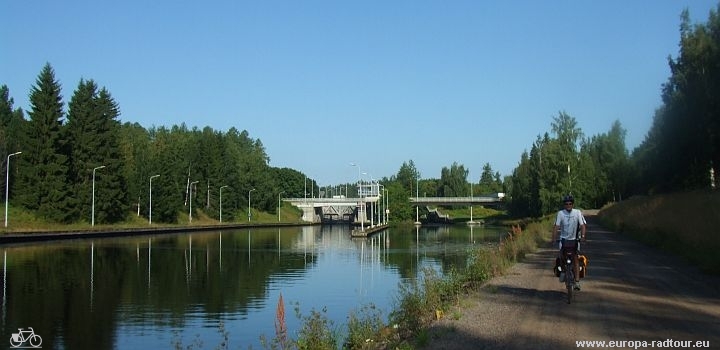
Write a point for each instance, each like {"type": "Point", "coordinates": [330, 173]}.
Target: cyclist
{"type": "Point", "coordinates": [571, 225]}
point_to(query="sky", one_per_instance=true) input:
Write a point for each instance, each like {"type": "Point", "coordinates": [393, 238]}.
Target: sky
{"type": "Point", "coordinates": [376, 83]}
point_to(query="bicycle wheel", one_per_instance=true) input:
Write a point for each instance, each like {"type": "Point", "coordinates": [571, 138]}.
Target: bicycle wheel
{"type": "Point", "coordinates": [35, 341]}
{"type": "Point", "coordinates": [13, 343]}
{"type": "Point", "coordinates": [569, 280]}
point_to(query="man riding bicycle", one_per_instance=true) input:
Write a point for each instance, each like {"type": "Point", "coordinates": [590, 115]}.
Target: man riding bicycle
{"type": "Point", "coordinates": [571, 224]}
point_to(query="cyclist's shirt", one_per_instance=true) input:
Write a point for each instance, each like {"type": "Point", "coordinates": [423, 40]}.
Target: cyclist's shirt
{"type": "Point", "coordinates": [569, 223]}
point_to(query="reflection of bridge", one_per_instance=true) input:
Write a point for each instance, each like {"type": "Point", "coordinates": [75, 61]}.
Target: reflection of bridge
{"type": "Point", "coordinates": [368, 210]}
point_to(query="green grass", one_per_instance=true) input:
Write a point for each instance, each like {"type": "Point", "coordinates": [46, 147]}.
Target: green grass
{"type": "Point", "coordinates": [20, 220]}
{"type": "Point", "coordinates": [684, 224]}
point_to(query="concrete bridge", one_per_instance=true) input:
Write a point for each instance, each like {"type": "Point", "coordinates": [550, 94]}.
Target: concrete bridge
{"type": "Point", "coordinates": [358, 210]}
{"type": "Point", "coordinates": [372, 208]}
{"type": "Point", "coordinates": [493, 199]}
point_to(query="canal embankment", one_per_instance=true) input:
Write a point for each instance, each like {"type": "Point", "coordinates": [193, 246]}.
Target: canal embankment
{"type": "Point", "coordinates": [42, 236]}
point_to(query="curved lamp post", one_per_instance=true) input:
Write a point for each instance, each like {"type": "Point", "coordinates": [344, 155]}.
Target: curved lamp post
{"type": "Point", "coordinates": [249, 203]}
{"type": "Point", "coordinates": [281, 192]}
{"type": "Point", "coordinates": [93, 195]}
{"type": "Point", "coordinates": [191, 195]}
{"type": "Point", "coordinates": [150, 213]}
{"type": "Point", "coordinates": [221, 187]}
{"type": "Point", "coordinates": [7, 183]}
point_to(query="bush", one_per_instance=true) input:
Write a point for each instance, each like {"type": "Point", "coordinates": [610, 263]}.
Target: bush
{"type": "Point", "coordinates": [365, 328]}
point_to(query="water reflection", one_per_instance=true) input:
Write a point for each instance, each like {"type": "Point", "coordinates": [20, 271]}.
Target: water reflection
{"type": "Point", "coordinates": [92, 273]}
{"type": "Point", "coordinates": [109, 293]}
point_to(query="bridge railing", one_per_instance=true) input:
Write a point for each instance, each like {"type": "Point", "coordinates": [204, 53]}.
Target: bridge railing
{"type": "Point", "coordinates": [455, 200]}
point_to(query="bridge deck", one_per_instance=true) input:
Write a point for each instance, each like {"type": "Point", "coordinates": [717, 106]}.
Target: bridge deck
{"type": "Point", "coordinates": [321, 202]}
{"type": "Point", "coordinates": [455, 200]}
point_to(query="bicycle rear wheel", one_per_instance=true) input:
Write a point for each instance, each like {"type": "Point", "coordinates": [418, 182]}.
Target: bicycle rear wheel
{"type": "Point", "coordinates": [14, 344]}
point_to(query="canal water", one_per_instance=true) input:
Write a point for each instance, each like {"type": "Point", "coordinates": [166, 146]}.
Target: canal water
{"type": "Point", "coordinates": [165, 290]}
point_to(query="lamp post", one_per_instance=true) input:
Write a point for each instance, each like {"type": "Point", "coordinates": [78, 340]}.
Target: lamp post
{"type": "Point", "coordinates": [387, 206]}
{"type": "Point", "coordinates": [471, 222]}
{"type": "Point", "coordinates": [221, 187]}
{"type": "Point", "coordinates": [361, 206]}
{"type": "Point", "coordinates": [249, 203]}
{"type": "Point", "coordinates": [358, 168]}
{"type": "Point", "coordinates": [191, 195]}
{"type": "Point", "coordinates": [7, 183]}
{"type": "Point", "coordinates": [93, 195]}
{"type": "Point", "coordinates": [417, 198]}
{"type": "Point", "coordinates": [372, 204]}
{"type": "Point", "coordinates": [150, 207]}
{"type": "Point", "coordinates": [281, 192]}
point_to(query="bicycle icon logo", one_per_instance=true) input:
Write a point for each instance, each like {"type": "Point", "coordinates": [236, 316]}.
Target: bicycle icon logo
{"type": "Point", "coordinates": [19, 338]}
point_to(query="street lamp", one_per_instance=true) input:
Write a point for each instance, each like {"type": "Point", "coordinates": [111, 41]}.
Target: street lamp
{"type": "Point", "coordinates": [281, 192]}
{"type": "Point", "coordinates": [358, 168]}
{"type": "Point", "coordinates": [471, 203]}
{"type": "Point", "coordinates": [150, 213]}
{"type": "Point", "coordinates": [221, 187]}
{"type": "Point", "coordinates": [417, 198]}
{"type": "Point", "coordinates": [249, 203]}
{"type": "Point", "coordinates": [387, 206]}
{"type": "Point", "coordinates": [191, 195]}
{"type": "Point", "coordinates": [7, 183]}
{"type": "Point", "coordinates": [93, 194]}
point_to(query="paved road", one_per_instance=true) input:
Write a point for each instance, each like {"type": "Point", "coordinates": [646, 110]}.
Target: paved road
{"type": "Point", "coordinates": [632, 292]}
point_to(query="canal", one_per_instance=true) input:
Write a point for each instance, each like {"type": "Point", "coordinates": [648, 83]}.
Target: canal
{"type": "Point", "coordinates": [165, 290]}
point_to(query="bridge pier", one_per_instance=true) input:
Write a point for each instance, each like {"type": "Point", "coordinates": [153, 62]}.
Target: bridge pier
{"type": "Point", "coordinates": [309, 213]}
{"type": "Point", "coordinates": [361, 216]}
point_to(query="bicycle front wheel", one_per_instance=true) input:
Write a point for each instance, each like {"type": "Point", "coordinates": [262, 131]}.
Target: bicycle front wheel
{"type": "Point", "coordinates": [35, 341]}
{"type": "Point", "coordinates": [569, 284]}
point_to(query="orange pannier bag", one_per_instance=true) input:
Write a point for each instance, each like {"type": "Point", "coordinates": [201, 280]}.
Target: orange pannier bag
{"type": "Point", "coordinates": [583, 262]}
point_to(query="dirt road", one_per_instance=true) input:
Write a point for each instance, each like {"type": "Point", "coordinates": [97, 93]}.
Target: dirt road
{"type": "Point", "coordinates": [631, 293]}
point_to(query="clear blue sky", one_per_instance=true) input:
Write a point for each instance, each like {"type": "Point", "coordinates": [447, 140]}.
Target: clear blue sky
{"type": "Point", "coordinates": [377, 83]}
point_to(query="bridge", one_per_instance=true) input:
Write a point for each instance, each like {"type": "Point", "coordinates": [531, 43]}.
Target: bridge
{"type": "Point", "coordinates": [372, 207]}
{"type": "Point", "coordinates": [493, 199]}
{"type": "Point", "coordinates": [338, 208]}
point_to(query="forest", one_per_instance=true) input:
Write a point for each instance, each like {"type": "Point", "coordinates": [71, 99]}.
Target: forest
{"type": "Point", "coordinates": [84, 150]}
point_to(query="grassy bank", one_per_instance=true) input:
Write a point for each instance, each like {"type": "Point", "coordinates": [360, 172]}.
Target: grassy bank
{"type": "Point", "coordinates": [23, 221]}
{"type": "Point", "coordinates": [685, 224]}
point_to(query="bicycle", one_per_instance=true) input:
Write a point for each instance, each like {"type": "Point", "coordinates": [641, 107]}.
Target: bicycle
{"type": "Point", "coordinates": [569, 254]}
{"type": "Point", "coordinates": [19, 338]}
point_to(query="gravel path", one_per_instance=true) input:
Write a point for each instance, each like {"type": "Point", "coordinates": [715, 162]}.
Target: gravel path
{"type": "Point", "coordinates": [631, 293]}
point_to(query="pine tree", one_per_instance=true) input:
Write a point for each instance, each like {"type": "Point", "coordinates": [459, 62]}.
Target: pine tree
{"type": "Point", "coordinates": [114, 206]}
{"type": "Point", "coordinates": [83, 143]}
{"type": "Point", "coordinates": [93, 132]}
{"type": "Point", "coordinates": [45, 188]}
{"type": "Point", "coordinates": [12, 123]}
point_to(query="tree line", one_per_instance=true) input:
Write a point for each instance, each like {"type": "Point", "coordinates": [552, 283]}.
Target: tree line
{"type": "Point", "coordinates": [65, 153]}
{"type": "Point", "coordinates": [680, 152]}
